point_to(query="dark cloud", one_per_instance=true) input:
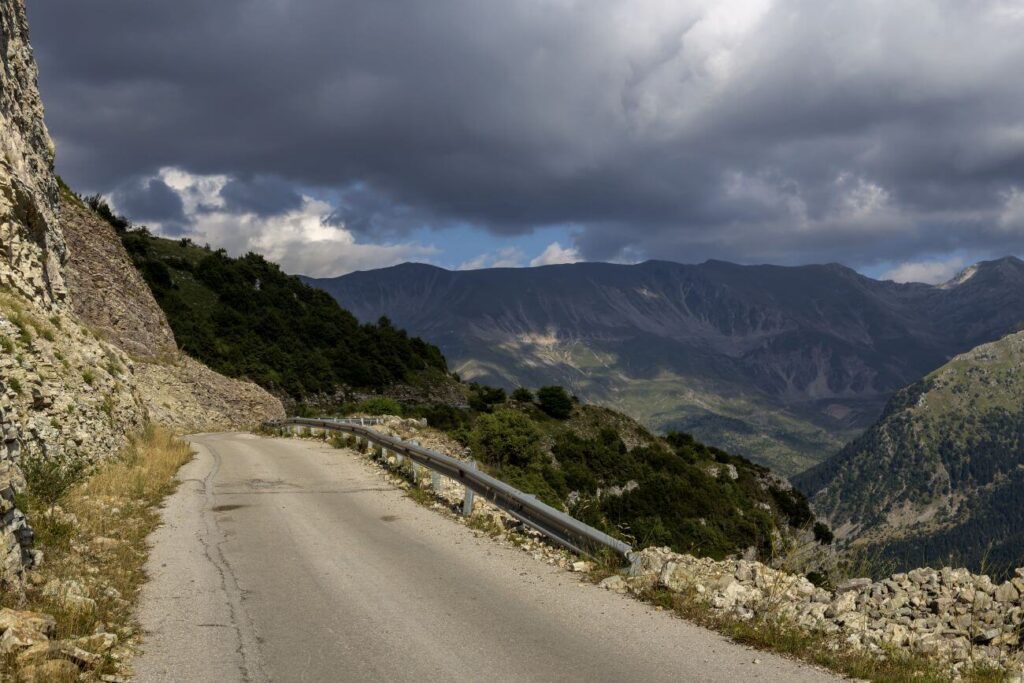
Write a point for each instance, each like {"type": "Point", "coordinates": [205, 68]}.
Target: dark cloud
{"type": "Point", "coordinates": [148, 200]}
{"type": "Point", "coordinates": [786, 131]}
{"type": "Point", "coordinates": [262, 195]}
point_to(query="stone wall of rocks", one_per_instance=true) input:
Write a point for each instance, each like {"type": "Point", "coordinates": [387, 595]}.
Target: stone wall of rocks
{"type": "Point", "coordinates": [951, 614]}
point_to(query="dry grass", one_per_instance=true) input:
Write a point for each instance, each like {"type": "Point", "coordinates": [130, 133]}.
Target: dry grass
{"type": "Point", "coordinates": [97, 535]}
{"type": "Point", "coordinates": [24, 318]}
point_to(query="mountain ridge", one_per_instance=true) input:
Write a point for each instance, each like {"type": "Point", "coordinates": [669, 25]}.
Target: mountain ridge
{"type": "Point", "coordinates": [783, 364]}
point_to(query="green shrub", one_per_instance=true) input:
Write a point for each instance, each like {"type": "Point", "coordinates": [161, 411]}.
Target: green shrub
{"type": "Point", "coordinates": [822, 534]}
{"type": "Point", "coordinates": [505, 438]}
{"type": "Point", "coordinates": [523, 395]}
{"type": "Point", "coordinates": [49, 478]}
{"type": "Point", "coordinates": [441, 416]}
{"type": "Point", "coordinates": [483, 399]}
{"type": "Point", "coordinates": [379, 405]}
{"type": "Point", "coordinates": [555, 401]}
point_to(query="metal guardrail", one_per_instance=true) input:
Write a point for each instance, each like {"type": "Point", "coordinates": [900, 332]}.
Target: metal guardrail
{"type": "Point", "coordinates": [555, 524]}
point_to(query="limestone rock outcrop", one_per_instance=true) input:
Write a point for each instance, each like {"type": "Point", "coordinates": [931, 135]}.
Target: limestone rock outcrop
{"type": "Point", "coordinates": [31, 247]}
{"type": "Point", "coordinates": [63, 394]}
{"type": "Point", "coordinates": [86, 354]}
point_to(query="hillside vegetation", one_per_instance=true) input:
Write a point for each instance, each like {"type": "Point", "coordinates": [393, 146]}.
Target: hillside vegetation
{"type": "Point", "coordinates": [607, 470]}
{"type": "Point", "coordinates": [940, 478]}
{"type": "Point", "coordinates": [244, 317]}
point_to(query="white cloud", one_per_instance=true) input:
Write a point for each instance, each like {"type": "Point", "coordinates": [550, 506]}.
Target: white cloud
{"type": "Point", "coordinates": [555, 253]}
{"type": "Point", "coordinates": [930, 272]}
{"type": "Point", "coordinates": [1011, 218]}
{"type": "Point", "coordinates": [301, 241]}
{"type": "Point", "coordinates": [506, 257]}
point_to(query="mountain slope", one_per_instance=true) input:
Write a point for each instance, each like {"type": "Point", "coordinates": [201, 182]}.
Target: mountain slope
{"type": "Point", "coordinates": [605, 469]}
{"type": "Point", "coordinates": [940, 478]}
{"type": "Point", "coordinates": [783, 365]}
{"type": "Point", "coordinates": [245, 318]}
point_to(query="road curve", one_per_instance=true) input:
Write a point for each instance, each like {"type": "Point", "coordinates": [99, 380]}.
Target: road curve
{"type": "Point", "coordinates": [287, 560]}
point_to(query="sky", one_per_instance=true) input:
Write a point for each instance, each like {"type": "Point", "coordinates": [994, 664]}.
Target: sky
{"type": "Point", "coordinates": [341, 135]}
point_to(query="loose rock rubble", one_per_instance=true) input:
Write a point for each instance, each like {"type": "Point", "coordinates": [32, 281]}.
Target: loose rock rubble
{"type": "Point", "coordinates": [956, 616]}
{"type": "Point", "coordinates": [28, 639]}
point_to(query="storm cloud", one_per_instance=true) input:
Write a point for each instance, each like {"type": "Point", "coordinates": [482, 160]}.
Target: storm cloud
{"type": "Point", "coordinates": [789, 131]}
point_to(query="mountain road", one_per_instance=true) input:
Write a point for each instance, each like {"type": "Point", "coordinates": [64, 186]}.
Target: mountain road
{"type": "Point", "coordinates": [289, 560]}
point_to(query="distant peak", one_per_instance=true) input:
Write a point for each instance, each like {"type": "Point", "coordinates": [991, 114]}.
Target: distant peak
{"type": "Point", "coordinates": [961, 277]}
{"type": "Point", "coordinates": [995, 265]}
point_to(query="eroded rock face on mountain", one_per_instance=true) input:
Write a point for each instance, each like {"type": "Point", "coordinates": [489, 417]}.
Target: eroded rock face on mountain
{"type": "Point", "coordinates": [188, 396]}
{"type": "Point", "coordinates": [64, 397]}
{"type": "Point", "coordinates": [86, 355]}
{"type": "Point", "coordinates": [108, 292]}
{"type": "Point", "coordinates": [31, 253]}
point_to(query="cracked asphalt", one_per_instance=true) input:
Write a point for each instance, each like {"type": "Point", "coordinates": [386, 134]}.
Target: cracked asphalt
{"type": "Point", "coordinates": [287, 560]}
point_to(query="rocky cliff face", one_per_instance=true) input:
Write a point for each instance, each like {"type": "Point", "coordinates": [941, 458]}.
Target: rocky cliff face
{"type": "Point", "coordinates": [31, 247]}
{"type": "Point", "coordinates": [782, 365]}
{"type": "Point", "coordinates": [31, 254]}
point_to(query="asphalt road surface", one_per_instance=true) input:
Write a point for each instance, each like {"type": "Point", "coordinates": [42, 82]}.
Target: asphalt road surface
{"type": "Point", "coordinates": [288, 560]}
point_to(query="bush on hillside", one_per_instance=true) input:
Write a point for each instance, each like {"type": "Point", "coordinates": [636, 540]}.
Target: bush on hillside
{"type": "Point", "coordinates": [505, 438]}
{"type": "Point", "coordinates": [379, 405]}
{"type": "Point", "coordinates": [483, 399]}
{"type": "Point", "coordinates": [555, 401]}
{"type": "Point", "coordinates": [523, 395]}
{"type": "Point", "coordinates": [440, 416]}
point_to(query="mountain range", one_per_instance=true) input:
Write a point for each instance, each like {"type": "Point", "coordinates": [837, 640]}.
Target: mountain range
{"type": "Point", "coordinates": [781, 364]}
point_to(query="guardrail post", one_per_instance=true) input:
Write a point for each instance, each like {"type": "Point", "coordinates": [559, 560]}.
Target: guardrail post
{"type": "Point", "coordinates": [467, 498]}
{"type": "Point", "coordinates": [435, 481]}
{"type": "Point", "coordinates": [415, 466]}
